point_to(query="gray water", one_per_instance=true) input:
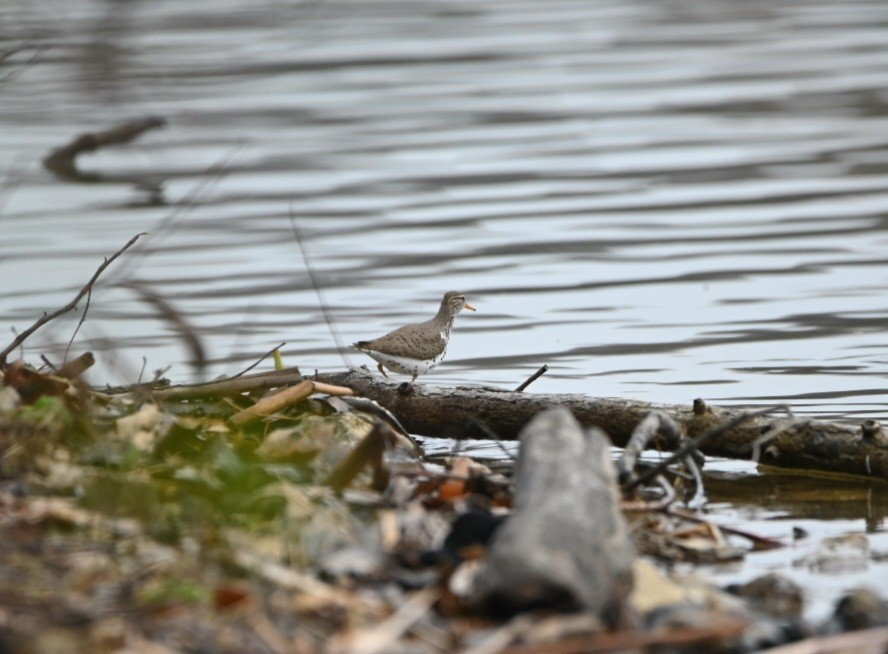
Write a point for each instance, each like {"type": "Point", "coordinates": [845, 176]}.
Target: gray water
{"type": "Point", "coordinates": [660, 200]}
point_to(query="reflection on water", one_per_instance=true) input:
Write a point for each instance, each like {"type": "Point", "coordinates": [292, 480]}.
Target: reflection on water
{"type": "Point", "coordinates": [801, 511]}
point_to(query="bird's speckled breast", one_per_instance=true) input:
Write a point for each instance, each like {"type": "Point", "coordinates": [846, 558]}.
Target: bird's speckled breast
{"type": "Point", "coordinates": [405, 365]}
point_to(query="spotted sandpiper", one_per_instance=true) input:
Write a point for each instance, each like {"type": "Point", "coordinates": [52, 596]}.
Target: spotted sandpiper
{"type": "Point", "coordinates": [418, 348]}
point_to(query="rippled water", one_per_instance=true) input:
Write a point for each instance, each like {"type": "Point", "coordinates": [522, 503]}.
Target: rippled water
{"type": "Point", "coordinates": [660, 200]}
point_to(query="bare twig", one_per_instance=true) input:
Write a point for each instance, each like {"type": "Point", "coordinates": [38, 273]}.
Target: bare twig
{"type": "Point", "coordinates": [527, 382]}
{"type": "Point", "coordinates": [9, 52]}
{"type": "Point", "coordinates": [778, 428]}
{"type": "Point", "coordinates": [376, 409]}
{"type": "Point", "coordinates": [699, 498]}
{"type": "Point", "coordinates": [213, 174]}
{"type": "Point", "coordinates": [160, 372]}
{"type": "Point", "coordinates": [661, 504]}
{"type": "Point", "coordinates": [79, 324]}
{"type": "Point", "coordinates": [694, 444]}
{"type": "Point", "coordinates": [656, 422]}
{"type": "Point", "coordinates": [258, 361]}
{"type": "Point", "coordinates": [492, 435]}
{"type": "Point", "coordinates": [319, 292]}
{"type": "Point", "coordinates": [759, 542]}
{"type": "Point", "coordinates": [46, 317]}
{"type": "Point", "coordinates": [38, 50]}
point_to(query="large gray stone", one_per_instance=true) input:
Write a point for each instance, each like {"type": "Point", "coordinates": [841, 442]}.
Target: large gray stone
{"type": "Point", "coordinates": [565, 546]}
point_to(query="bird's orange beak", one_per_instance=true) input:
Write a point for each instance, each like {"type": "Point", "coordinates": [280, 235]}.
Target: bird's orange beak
{"type": "Point", "coordinates": [470, 307]}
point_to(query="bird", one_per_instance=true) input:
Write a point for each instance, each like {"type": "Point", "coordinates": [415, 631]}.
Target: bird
{"type": "Point", "coordinates": [417, 348]}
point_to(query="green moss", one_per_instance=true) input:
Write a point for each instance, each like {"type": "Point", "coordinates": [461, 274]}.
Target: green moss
{"type": "Point", "coordinates": [173, 590]}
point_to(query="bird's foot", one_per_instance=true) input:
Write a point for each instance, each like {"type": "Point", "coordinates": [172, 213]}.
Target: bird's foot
{"type": "Point", "coordinates": [382, 370]}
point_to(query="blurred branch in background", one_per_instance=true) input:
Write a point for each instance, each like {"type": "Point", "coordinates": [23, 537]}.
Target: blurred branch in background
{"type": "Point", "coordinates": [63, 161]}
{"type": "Point", "coordinates": [47, 317]}
{"type": "Point", "coordinates": [9, 53]}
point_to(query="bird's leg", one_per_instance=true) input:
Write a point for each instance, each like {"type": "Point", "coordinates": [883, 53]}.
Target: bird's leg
{"type": "Point", "coordinates": [382, 370]}
{"type": "Point", "coordinates": [415, 375]}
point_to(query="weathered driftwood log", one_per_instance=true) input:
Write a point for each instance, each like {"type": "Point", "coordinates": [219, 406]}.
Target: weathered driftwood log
{"type": "Point", "coordinates": [455, 412]}
{"type": "Point", "coordinates": [565, 545]}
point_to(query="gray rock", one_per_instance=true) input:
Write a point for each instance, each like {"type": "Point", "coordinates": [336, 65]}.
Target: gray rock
{"type": "Point", "coordinates": [565, 546]}
{"type": "Point", "coordinates": [774, 595]}
{"type": "Point", "coordinates": [861, 608]}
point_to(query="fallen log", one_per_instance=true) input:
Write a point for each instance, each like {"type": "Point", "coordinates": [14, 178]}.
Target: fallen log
{"type": "Point", "coordinates": [455, 413]}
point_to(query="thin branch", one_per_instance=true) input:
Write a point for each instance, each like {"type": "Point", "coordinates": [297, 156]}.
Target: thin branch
{"type": "Point", "coordinates": [778, 428]}
{"type": "Point", "coordinates": [698, 501]}
{"type": "Point", "coordinates": [759, 542]}
{"type": "Point", "coordinates": [662, 504]}
{"type": "Point", "coordinates": [77, 329]}
{"type": "Point", "coordinates": [492, 435]}
{"type": "Point", "coordinates": [213, 174]}
{"type": "Point", "coordinates": [177, 320]}
{"type": "Point", "coordinates": [48, 363]}
{"type": "Point", "coordinates": [527, 382]}
{"type": "Point", "coordinates": [258, 361]}
{"type": "Point", "coordinates": [695, 444]}
{"type": "Point", "coordinates": [653, 424]}
{"type": "Point", "coordinates": [373, 407]}
{"type": "Point", "coordinates": [160, 372]}
{"type": "Point", "coordinates": [38, 50]}
{"type": "Point", "coordinates": [325, 310]}
{"type": "Point", "coordinates": [46, 317]}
